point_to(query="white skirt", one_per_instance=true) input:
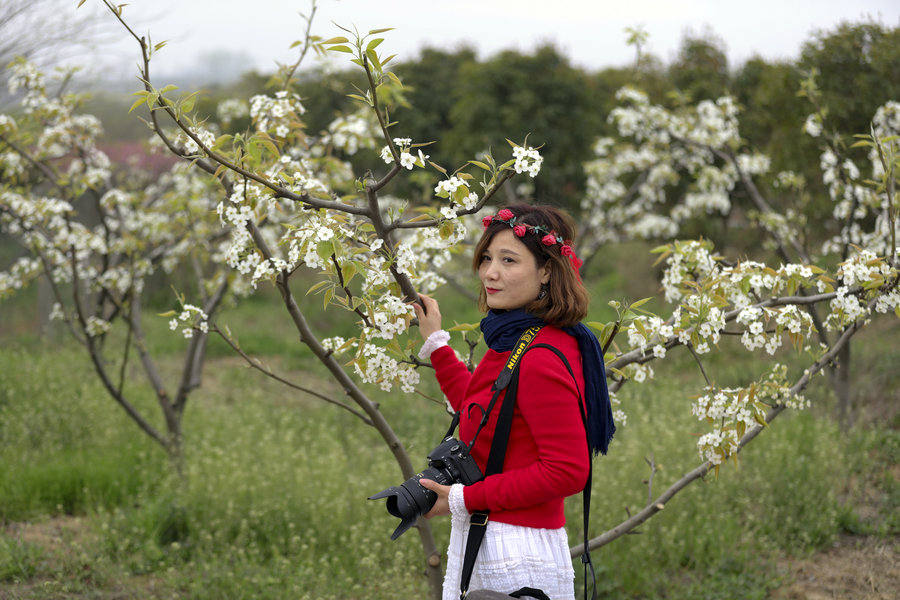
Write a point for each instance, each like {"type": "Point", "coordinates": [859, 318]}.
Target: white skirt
{"type": "Point", "coordinates": [511, 557]}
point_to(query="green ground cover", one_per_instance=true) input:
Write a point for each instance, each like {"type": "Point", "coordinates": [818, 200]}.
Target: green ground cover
{"type": "Point", "coordinates": [273, 502]}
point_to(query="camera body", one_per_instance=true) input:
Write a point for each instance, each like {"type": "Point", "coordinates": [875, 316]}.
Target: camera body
{"type": "Point", "coordinates": [449, 463]}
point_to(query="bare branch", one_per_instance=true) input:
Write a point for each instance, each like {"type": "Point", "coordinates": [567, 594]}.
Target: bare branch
{"type": "Point", "coordinates": [255, 364]}
{"type": "Point", "coordinates": [696, 356]}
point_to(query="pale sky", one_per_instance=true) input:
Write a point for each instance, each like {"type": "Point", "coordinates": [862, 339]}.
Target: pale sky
{"type": "Point", "coordinates": [589, 32]}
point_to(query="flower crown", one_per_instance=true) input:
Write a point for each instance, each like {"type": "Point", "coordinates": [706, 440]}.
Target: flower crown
{"type": "Point", "coordinates": [548, 236]}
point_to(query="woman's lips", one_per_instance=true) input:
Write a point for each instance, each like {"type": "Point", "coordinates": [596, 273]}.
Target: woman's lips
{"type": "Point", "coordinates": [491, 290]}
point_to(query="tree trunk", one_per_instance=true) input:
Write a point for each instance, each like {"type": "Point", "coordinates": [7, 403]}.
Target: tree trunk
{"type": "Point", "coordinates": [842, 389]}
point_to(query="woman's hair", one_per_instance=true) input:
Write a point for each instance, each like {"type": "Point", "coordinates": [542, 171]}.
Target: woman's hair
{"type": "Point", "coordinates": [566, 301]}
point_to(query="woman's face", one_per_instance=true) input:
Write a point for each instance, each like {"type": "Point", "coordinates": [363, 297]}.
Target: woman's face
{"type": "Point", "coordinates": [509, 272]}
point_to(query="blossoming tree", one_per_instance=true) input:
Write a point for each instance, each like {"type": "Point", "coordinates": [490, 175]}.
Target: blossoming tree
{"type": "Point", "coordinates": [97, 236]}
{"type": "Point", "coordinates": [287, 202]}
{"type": "Point", "coordinates": [667, 167]}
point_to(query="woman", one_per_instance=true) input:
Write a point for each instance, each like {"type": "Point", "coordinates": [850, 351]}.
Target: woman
{"type": "Point", "coordinates": [529, 276]}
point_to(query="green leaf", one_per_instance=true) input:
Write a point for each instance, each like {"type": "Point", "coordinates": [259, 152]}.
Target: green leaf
{"type": "Point", "coordinates": [464, 327]}
{"type": "Point", "coordinates": [138, 102]}
{"type": "Point", "coordinates": [335, 40]}
{"type": "Point", "coordinates": [606, 332]}
{"type": "Point", "coordinates": [382, 30]}
{"type": "Point", "coordinates": [188, 104]}
{"type": "Point", "coordinates": [618, 372]}
{"type": "Point", "coordinates": [390, 75]}
{"type": "Point", "coordinates": [348, 271]}
{"type": "Point", "coordinates": [325, 249]}
{"type": "Point", "coordinates": [222, 140]}
{"type": "Point", "coordinates": [373, 44]}
{"type": "Point", "coordinates": [269, 145]}
{"type": "Point", "coordinates": [480, 164]}
{"type": "Point", "coordinates": [167, 314]}
{"type": "Point", "coordinates": [373, 58]}
{"type": "Point", "coordinates": [641, 302]}
{"type": "Point", "coordinates": [316, 287]}
{"type": "Point", "coordinates": [341, 49]}
{"type": "Point", "coordinates": [446, 229]}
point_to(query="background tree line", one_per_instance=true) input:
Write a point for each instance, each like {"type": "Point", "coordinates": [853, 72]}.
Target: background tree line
{"type": "Point", "coordinates": [465, 102]}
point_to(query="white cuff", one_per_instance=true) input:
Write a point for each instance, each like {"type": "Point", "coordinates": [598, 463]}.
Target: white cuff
{"type": "Point", "coordinates": [457, 502]}
{"type": "Point", "coordinates": [436, 340]}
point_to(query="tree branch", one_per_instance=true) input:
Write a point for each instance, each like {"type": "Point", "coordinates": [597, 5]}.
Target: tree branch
{"type": "Point", "coordinates": [255, 364]}
{"type": "Point", "coordinates": [699, 472]}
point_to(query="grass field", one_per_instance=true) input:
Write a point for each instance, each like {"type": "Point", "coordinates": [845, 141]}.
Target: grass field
{"type": "Point", "coordinates": [273, 501]}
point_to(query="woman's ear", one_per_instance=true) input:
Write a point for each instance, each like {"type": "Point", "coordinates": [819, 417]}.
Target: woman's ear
{"type": "Point", "coordinates": [545, 273]}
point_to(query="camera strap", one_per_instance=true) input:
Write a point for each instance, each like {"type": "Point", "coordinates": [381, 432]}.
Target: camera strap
{"type": "Point", "coordinates": [509, 378]}
{"type": "Point", "coordinates": [502, 382]}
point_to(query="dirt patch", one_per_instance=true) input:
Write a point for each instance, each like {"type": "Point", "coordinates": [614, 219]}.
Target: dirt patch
{"type": "Point", "coordinates": [856, 568]}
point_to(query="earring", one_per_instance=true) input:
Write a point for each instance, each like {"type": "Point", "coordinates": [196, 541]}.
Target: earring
{"type": "Point", "coordinates": [543, 293]}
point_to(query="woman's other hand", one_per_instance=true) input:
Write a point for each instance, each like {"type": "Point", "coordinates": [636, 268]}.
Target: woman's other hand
{"type": "Point", "coordinates": [442, 504]}
{"type": "Point", "coordinates": [430, 317]}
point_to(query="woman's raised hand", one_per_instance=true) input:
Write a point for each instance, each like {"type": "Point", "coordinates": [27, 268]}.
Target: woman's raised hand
{"type": "Point", "coordinates": [430, 317]}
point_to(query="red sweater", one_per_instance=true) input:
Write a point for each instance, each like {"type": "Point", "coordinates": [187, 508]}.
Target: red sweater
{"type": "Point", "coordinates": [547, 458]}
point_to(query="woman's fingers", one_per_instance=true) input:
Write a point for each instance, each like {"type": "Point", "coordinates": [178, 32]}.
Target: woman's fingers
{"type": "Point", "coordinates": [429, 315]}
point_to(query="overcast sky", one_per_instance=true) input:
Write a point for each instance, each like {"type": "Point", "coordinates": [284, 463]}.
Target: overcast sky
{"type": "Point", "coordinates": [589, 32]}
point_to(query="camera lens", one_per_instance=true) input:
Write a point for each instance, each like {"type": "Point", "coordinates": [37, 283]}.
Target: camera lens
{"type": "Point", "coordinates": [410, 500]}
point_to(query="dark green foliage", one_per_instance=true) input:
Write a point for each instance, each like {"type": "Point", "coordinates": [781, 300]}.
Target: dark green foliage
{"type": "Point", "coordinates": [540, 96]}
{"type": "Point", "coordinates": [701, 69]}
{"type": "Point", "coordinates": [858, 70]}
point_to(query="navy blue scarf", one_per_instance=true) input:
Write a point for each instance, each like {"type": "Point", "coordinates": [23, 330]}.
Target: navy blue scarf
{"type": "Point", "coordinates": [501, 331]}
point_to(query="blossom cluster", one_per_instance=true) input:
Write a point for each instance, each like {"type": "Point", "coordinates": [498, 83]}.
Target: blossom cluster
{"type": "Point", "coordinates": [141, 226]}
{"type": "Point", "coordinates": [277, 115]}
{"type": "Point", "coordinates": [57, 131]}
{"type": "Point", "coordinates": [855, 201]}
{"type": "Point", "coordinates": [232, 109]}
{"type": "Point", "coordinates": [668, 146]}
{"type": "Point", "coordinates": [349, 133]}
{"type": "Point", "coordinates": [190, 319]}
{"type": "Point", "coordinates": [408, 160]}
{"type": "Point", "coordinates": [866, 270]}
{"type": "Point", "coordinates": [735, 411]}
{"type": "Point", "coordinates": [528, 160]}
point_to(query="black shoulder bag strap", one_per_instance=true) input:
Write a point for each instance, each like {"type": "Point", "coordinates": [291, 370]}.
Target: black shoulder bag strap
{"type": "Point", "coordinates": [586, 493]}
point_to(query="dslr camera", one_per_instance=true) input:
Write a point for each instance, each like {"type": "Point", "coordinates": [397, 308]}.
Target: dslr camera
{"type": "Point", "coordinates": [449, 463]}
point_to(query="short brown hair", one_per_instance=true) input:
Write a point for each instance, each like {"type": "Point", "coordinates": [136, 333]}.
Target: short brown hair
{"type": "Point", "coordinates": [566, 302]}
